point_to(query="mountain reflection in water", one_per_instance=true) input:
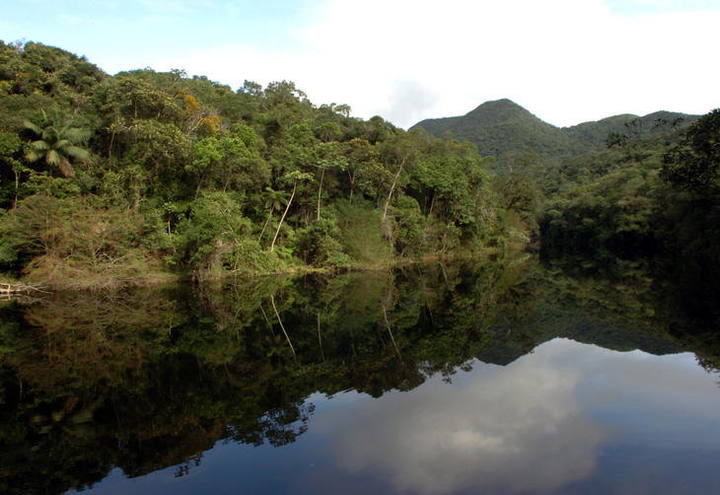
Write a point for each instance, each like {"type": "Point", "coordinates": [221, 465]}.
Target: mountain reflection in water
{"type": "Point", "coordinates": [500, 377]}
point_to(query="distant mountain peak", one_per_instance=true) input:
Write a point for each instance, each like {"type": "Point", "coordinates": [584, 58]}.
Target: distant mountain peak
{"type": "Point", "coordinates": [501, 126]}
{"type": "Point", "coordinates": [498, 110]}
{"type": "Point", "coordinates": [500, 102]}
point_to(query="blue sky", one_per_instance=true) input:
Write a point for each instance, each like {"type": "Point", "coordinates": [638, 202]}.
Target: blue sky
{"type": "Point", "coordinates": [119, 34]}
{"type": "Point", "coordinates": [567, 61]}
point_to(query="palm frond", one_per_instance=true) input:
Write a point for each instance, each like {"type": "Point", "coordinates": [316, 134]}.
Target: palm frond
{"type": "Point", "coordinates": [53, 158]}
{"type": "Point", "coordinates": [62, 143]}
{"type": "Point", "coordinates": [78, 153]}
{"type": "Point", "coordinates": [40, 145]}
{"type": "Point", "coordinates": [77, 135]}
{"type": "Point", "coordinates": [50, 134]}
{"type": "Point", "coordinates": [32, 127]}
{"type": "Point", "coordinates": [33, 156]}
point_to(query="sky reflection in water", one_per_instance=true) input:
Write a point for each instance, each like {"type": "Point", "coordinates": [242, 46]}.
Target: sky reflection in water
{"type": "Point", "coordinates": [566, 418]}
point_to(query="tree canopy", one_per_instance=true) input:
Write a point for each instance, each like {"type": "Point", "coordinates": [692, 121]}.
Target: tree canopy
{"type": "Point", "coordinates": [211, 179]}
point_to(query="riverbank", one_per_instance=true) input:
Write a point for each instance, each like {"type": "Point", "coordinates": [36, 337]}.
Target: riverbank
{"type": "Point", "coordinates": [65, 277]}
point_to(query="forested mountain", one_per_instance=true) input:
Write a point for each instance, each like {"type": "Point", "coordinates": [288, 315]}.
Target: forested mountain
{"type": "Point", "coordinates": [497, 127]}
{"type": "Point", "coordinates": [503, 126]}
{"type": "Point", "coordinates": [594, 135]}
{"type": "Point", "coordinates": [109, 180]}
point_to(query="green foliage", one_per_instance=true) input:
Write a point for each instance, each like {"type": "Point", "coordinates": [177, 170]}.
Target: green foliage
{"type": "Point", "coordinates": [641, 197]}
{"type": "Point", "coordinates": [75, 242]}
{"type": "Point", "coordinates": [318, 244]}
{"type": "Point", "coordinates": [159, 148]}
{"type": "Point", "coordinates": [694, 163]}
{"type": "Point", "coordinates": [618, 211]}
{"type": "Point", "coordinates": [618, 129]}
{"type": "Point", "coordinates": [361, 233]}
{"type": "Point", "coordinates": [57, 145]}
{"type": "Point", "coordinates": [229, 161]}
{"type": "Point", "coordinates": [9, 144]}
{"type": "Point", "coordinates": [408, 226]}
{"type": "Point", "coordinates": [501, 127]}
{"type": "Point", "coordinates": [11, 167]}
{"type": "Point", "coordinates": [205, 238]}
{"type": "Point", "coordinates": [522, 195]}
{"type": "Point", "coordinates": [257, 180]}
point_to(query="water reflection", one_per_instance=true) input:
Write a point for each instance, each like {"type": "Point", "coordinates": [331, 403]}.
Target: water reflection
{"type": "Point", "coordinates": [147, 380]}
{"type": "Point", "coordinates": [478, 433]}
{"type": "Point", "coordinates": [543, 424]}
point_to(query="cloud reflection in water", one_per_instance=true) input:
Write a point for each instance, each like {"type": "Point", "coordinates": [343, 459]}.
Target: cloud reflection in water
{"type": "Point", "coordinates": [517, 429]}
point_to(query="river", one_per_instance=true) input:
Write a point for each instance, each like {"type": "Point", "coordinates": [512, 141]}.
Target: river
{"type": "Point", "coordinates": [506, 376]}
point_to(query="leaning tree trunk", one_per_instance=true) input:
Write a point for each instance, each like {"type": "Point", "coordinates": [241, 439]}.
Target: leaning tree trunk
{"type": "Point", "coordinates": [17, 187]}
{"type": "Point", "coordinates": [392, 337]}
{"type": "Point", "coordinates": [287, 337]}
{"type": "Point", "coordinates": [392, 189]}
{"type": "Point", "coordinates": [322, 353]}
{"type": "Point", "coordinates": [267, 220]}
{"type": "Point", "coordinates": [352, 185]}
{"type": "Point", "coordinates": [322, 176]}
{"type": "Point", "coordinates": [272, 245]}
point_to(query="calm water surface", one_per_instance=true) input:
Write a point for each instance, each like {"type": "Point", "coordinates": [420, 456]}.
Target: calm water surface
{"type": "Point", "coordinates": [507, 377]}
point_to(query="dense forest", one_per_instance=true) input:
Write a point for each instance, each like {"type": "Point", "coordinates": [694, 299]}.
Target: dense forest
{"type": "Point", "coordinates": [146, 176]}
{"type": "Point", "coordinates": [115, 180]}
{"type": "Point", "coordinates": [642, 197]}
{"type": "Point", "coordinates": [648, 188]}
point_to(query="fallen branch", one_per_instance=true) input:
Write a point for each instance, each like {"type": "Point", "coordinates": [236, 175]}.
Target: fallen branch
{"type": "Point", "coordinates": [20, 288]}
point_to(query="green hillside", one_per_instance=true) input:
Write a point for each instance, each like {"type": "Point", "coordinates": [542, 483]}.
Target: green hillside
{"type": "Point", "coordinates": [497, 127]}
{"type": "Point", "coordinates": [594, 135]}
{"type": "Point", "coordinates": [502, 126]}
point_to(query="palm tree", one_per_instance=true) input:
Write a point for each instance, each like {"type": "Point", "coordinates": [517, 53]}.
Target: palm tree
{"type": "Point", "coordinates": [57, 146]}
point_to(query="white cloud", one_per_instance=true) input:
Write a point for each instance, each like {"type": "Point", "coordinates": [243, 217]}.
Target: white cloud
{"type": "Point", "coordinates": [534, 426]}
{"type": "Point", "coordinates": [567, 61]}
{"type": "Point", "coordinates": [475, 438]}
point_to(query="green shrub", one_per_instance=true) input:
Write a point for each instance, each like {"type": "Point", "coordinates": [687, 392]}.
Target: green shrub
{"type": "Point", "coordinates": [318, 245]}
{"type": "Point", "coordinates": [361, 234]}
{"type": "Point", "coordinates": [408, 226]}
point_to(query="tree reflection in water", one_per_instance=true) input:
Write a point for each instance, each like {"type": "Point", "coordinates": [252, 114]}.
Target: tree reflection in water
{"type": "Point", "coordinates": [146, 379]}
